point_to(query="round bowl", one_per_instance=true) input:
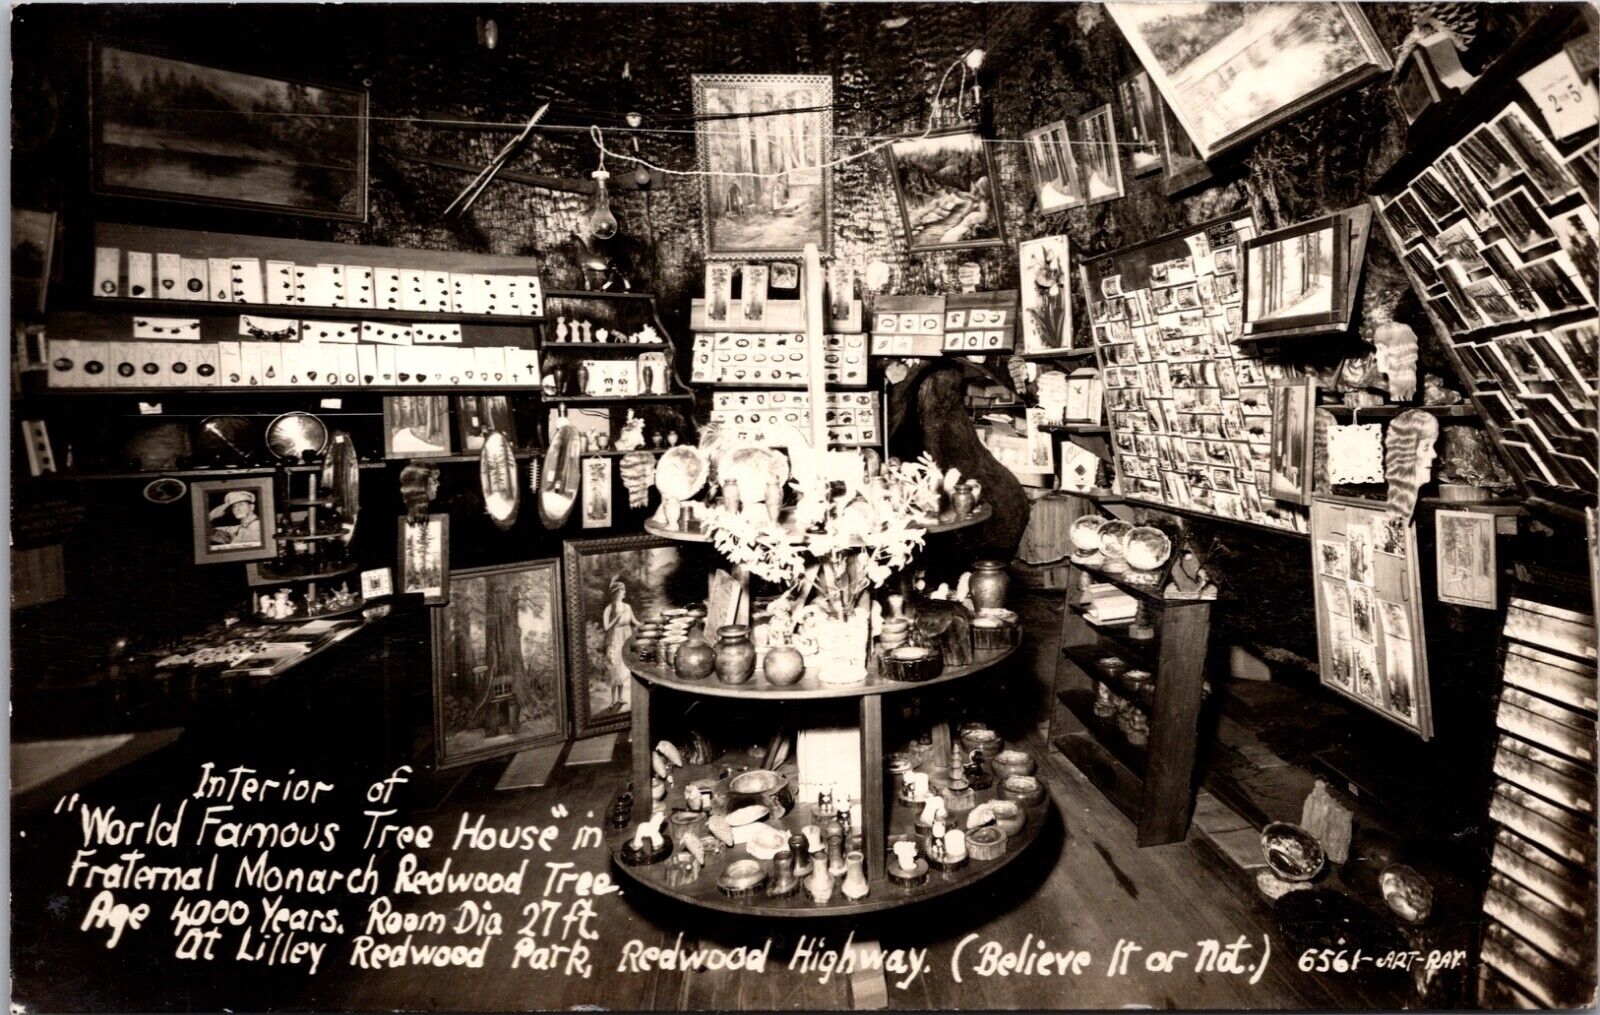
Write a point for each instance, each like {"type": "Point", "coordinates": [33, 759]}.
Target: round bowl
{"type": "Point", "coordinates": [1114, 543]}
{"type": "Point", "coordinates": [766, 842]}
{"type": "Point", "coordinates": [1013, 762]}
{"type": "Point", "coordinates": [913, 663]}
{"type": "Point", "coordinates": [1085, 533]}
{"type": "Point", "coordinates": [1026, 790]}
{"type": "Point", "coordinates": [1009, 816]}
{"type": "Point", "coordinates": [742, 875]}
{"type": "Point", "coordinates": [1407, 893]}
{"type": "Point", "coordinates": [983, 740]}
{"type": "Point", "coordinates": [1292, 853]}
{"type": "Point", "coordinates": [1147, 548]}
{"type": "Point", "coordinates": [986, 843]}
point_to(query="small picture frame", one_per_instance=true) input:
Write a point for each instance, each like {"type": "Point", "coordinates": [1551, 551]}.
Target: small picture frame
{"type": "Point", "coordinates": [416, 426]}
{"type": "Point", "coordinates": [424, 556]}
{"type": "Point", "coordinates": [1464, 557]}
{"type": "Point", "coordinates": [234, 520]}
{"type": "Point", "coordinates": [948, 193]}
{"type": "Point", "coordinates": [477, 415]}
{"type": "Point", "coordinates": [1296, 279]}
{"type": "Point", "coordinates": [1293, 411]}
{"type": "Point", "coordinates": [377, 583]}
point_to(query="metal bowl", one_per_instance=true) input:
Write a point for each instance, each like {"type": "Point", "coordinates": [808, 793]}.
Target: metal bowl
{"type": "Point", "coordinates": [1292, 853]}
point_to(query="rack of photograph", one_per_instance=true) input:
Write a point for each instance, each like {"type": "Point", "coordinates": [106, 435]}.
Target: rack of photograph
{"type": "Point", "coordinates": [1497, 231]}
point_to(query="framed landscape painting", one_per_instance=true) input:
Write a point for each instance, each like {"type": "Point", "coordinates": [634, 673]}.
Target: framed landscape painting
{"type": "Point", "coordinates": [946, 186]}
{"type": "Point", "coordinates": [177, 130]}
{"type": "Point", "coordinates": [612, 586]}
{"type": "Point", "coordinates": [779, 195]}
{"type": "Point", "coordinates": [1231, 70]}
{"type": "Point", "coordinates": [498, 682]}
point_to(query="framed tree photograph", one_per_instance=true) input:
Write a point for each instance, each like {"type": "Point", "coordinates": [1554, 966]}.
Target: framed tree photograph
{"type": "Point", "coordinates": [613, 585]}
{"type": "Point", "coordinates": [1046, 302]}
{"type": "Point", "coordinates": [499, 685]}
{"type": "Point", "coordinates": [477, 415]}
{"type": "Point", "coordinates": [416, 426]}
{"type": "Point", "coordinates": [1293, 408]}
{"type": "Point", "coordinates": [946, 187]}
{"type": "Point", "coordinates": [177, 130]}
{"type": "Point", "coordinates": [1141, 114]}
{"type": "Point", "coordinates": [778, 195]}
{"type": "Point", "coordinates": [1232, 70]}
{"type": "Point", "coordinates": [424, 555]}
{"type": "Point", "coordinates": [1055, 172]}
{"type": "Point", "coordinates": [1180, 162]}
{"type": "Point", "coordinates": [1298, 279]}
{"type": "Point", "coordinates": [234, 520]}
{"type": "Point", "coordinates": [1465, 558]}
{"type": "Point", "coordinates": [1098, 157]}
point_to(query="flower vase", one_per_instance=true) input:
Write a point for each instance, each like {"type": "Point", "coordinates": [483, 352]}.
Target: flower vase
{"type": "Point", "coordinates": [855, 885]}
{"type": "Point", "coordinates": [842, 654]}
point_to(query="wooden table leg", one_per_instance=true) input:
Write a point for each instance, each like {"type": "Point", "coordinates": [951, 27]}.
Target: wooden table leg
{"type": "Point", "coordinates": [640, 738]}
{"type": "Point", "coordinates": [874, 828]}
{"type": "Point", "coordinates": [869, 988]}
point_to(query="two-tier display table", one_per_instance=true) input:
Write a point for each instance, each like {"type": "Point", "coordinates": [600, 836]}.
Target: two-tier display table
{"type": "Point", "coordinates": [885, 817]}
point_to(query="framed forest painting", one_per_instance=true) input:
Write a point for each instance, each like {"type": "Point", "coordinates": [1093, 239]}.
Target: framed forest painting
{"type": "Point", "coordinates": [499, 686]}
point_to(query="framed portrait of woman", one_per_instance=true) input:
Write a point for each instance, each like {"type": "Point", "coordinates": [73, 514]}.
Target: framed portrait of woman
{"type": "Point", "coordinates": [234, 520]}
{"type": "Point", "coordinates": [614, 585]}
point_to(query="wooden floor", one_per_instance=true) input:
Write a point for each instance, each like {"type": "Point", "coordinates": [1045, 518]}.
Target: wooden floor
{"type": "Point", "coordinates": [1084, 886]}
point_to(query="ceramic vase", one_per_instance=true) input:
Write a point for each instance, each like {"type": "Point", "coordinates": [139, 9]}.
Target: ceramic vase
{"type": "Point", "coordinates": [695, 660]}
{"type": "Point", "coordinates": [784, 666]}
{"type": "Point", "coordinates": [989, 584]}
{"type": "Point", "coordinates": [735, 655]}
{"type": "Point", "coordinates": [962, 502]}
{"type": "Point", "coordinates": [855, 885]}
{"type": "Point", "coordinates": [819, 886]}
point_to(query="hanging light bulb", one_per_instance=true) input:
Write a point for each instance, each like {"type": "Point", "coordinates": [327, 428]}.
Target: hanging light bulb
{"type": "Point", "coordinates": [602, 224]}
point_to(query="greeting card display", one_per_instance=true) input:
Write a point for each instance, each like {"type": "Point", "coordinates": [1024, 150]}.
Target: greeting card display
{"type": "Point", "coordinates": [1190, 410]}
{"type": "Point", "coordinates": [1369, 610]}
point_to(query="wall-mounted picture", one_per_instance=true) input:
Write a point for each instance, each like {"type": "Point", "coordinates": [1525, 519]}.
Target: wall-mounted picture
{"type": "Point", "coordinates": [234, 520]}
{"type": "Point", "coordinates": [1046, 302]}
{"type": "Point", "coordinates": [1181, 165]}
{"type": "Point", "coordinates": [416, 426]}
{"type": "Point", "coordinates": [1296, 278]}
{"type": "Point", "coordinates": [177, 130]}
{"type": "Point", "coordinates": [613, 585]}
{"type": "Point", "coordinates": [781, 198]}
{"type": "Point", "coordinates": [498, 682]}
{"type": "Point", "coordinates": [1465, 556]}
{"type": "Point", "coordinates": [477, 415]}
{"type": "Point", "coordinates": [1055, 172]}
{"type": "Point", "coordinates": [949, 198]}
{"type": "Point", "coordinates": [1098, 157]}
{"type": "Point", "coordinates": [1141, 115]}
{"type": "Point", "coordinates": [597, 492]}
{"type": "Point", "coordinates": [424, 556]}
{"type": "Point", "coordinates": [1232, 70]}
{"type": "Point", "coordinates": [33, 242]}
{"type": "Point", "coordinates": [1293, 408]}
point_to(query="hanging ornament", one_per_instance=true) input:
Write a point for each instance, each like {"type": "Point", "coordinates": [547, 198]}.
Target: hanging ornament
{"type": "Point", "coordinates": [602, 224]}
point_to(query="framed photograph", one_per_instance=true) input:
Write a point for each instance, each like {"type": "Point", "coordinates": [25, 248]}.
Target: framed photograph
{"type": "Point", "coordinates": [33, 243]}
{"type": "Point", "coordinates": [1098, 157]}
{"type": "Point", "coordinates": [498, 682]}
{"type": "Point", "coordinates": [377, 583]}
{"type": "Point", "coordinates": [1293, 414]}
{"type": "Point", "coordinates": [1141, 115]}
{"type": "Point", "coordinates": [1230, 70]}
{"type": "Point", "coordinates": [1180, 162]}
{"type": "Point", "coordinates": [1465, 557]}
{"type": "Point", "coordinates": [416, 426]}
{"type": "Point", "coordinates": [783, 197]}
{"type": "Point", "coordinates": [424, 557]}
{"type": "Point", "coordinates": [946, 187]}
{"type": "Point", "coordinates": [1046, 302]}
{"type": "Point", "coordinates": [234, 520]}
{"type": "Point", "coordinates": [597, 492]}
{"type": "Point", "coordinates": [612, 585]}
{"type": "Point", "coordinates": [1055, 171]}
{"type": "Point", "coordinates": [477, 415]}
{"type": "Point", "coordinates": [1295, 278]}
{"type": "Point", "coordinates": [173, 129]}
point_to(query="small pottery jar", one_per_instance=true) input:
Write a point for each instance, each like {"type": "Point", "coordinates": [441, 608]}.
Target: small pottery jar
{"type": "Point", "coordinates": [802, 855]}
{"type": "Point", "coordinates": [962, 502]}
{"type": "Point", "coordinates": [1013, 762]}
{"type": "Point", "coordinates": [783, 882]}
{"type": "Point", "coordinates": [1024, 789]}
{"type": "Point", "coordinates": [855, 880]}
{"type": "Point", "coordinates": [1009, 816]}
{"type": "Point", "coordinates": [983, 740]}
{"type": "Point", "coordinates": [836, 857]}
{"type": "Point", "coordinates": [730, 496]}
{"type": "Point", "coordinates": [784, 666]}
{"type": "Point", "coordinates": [819, 886]}
{"type": "Point", "coordinates": [989, 584]}
{"type": "Point", "coordinates": [694, 660]}
{"type": "Point", "coordinates": [735, 657]}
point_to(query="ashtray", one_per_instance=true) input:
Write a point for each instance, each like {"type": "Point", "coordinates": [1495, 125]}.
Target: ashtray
{"type": "Point", "coordinates": [741, 877]}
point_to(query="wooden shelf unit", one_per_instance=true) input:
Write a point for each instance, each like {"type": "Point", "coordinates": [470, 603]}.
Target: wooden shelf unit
{"type": "Point", "coordinates": [1153, 785]}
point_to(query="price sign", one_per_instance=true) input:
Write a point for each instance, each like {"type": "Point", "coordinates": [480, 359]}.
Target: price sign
{"type": "Point", "coordinates": [1569, 103]}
